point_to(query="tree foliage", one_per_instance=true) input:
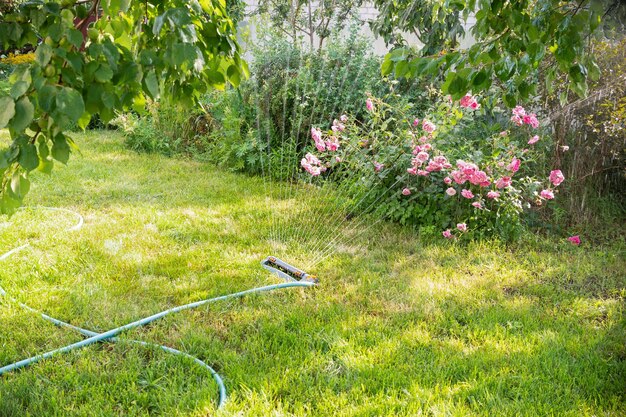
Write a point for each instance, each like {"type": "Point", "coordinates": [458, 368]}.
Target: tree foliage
{"type": "Point", "coordinates": [297, 17]}
{"type": "Point", "coordinates": [99, 57]}
{"type": "Point", "coordinates": [511, 39]}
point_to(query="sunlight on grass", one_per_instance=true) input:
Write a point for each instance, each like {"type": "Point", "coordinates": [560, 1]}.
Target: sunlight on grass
{"type": "Point", "coordinates": [399, 325]}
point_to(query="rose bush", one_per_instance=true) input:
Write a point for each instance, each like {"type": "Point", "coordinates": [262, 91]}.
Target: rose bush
{"type": "Point", "coordinates": [426, 170]}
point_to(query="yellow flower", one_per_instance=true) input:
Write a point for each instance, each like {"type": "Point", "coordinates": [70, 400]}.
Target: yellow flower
{"type": "Point", "coordinates": [13, 59]}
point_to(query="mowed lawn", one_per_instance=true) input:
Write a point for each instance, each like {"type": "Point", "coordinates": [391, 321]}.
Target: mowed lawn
{"type": "Point", "coordinates": [399, 326]}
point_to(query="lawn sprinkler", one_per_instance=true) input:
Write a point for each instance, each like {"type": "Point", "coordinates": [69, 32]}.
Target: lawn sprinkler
{"type": "Point", "coordinates": [286, 271]}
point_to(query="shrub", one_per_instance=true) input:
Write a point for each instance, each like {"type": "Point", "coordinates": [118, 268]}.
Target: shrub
{"type": "Point", "coordinates": [423, 169]}
{"type": "Point", "coordinates": [164, 128]}
{"type": "Point", "coordinates": [293, 88]}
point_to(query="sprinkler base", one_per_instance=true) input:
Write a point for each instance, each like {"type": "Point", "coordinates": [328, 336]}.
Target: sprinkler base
{"type": "Point", "coordinates": [286, 271]}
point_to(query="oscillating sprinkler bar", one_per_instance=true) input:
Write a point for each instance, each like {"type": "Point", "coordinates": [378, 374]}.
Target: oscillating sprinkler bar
{"type": "Point", "coordinates": [286, 271]}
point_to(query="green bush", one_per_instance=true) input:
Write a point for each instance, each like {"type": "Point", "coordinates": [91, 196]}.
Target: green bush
{"type": "Point", "coordinates": [265, 124]}
{"type": "Point", "coordinates": [465, 171]}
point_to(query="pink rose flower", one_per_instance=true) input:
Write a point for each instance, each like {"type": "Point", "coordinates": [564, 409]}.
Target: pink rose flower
{"type": "Point", "coordinates": [416, 122]}
{"type": "Point", "coordinates": [332, 144]}
{"type": "Point", "coordinates": [514, 165]}
{"type": "Point", "coordinates": [451, 191]}
{"type": "Point", "coordinates": [314, 171]}
{"type": "Point", "coordinates": [434, 166]}
{"type": "Point", "coordinates": [308, 167]}
{"type": "Point", "coordinates": [531, 119]}
{"type": "Point", "coordinates": [316, 134]}
{"type": "Point", "coordinates": [493, 195]}
{"type": "Point", "coordinates": [422, 172]}
{"type": "Point", "coordinates": [458, 177]}
{"type": "Point", "coordinates": [447, 234]}
{"type": "Point", "coordinates": [369, 105]}
{"type": "Point", "coordinates": [519, 111]}
{"type": "Point", "coordinates": [311, 159]}
{"type": "Point", "coordinates": [378, 166]}
{"type": "Point", "coordinates": [447, 180]}
{"type": "Point", "coordinates": [428, 126]}
{"type": "Point", "coordinates": [547, 194]}
{"type": "Point", "coordinates": [503, 182]}
{"type": "Point", "coordinates": [574, 239]}
{"type": "Point", "coordinates": [468, 101]}
{"type": "Point", "coordinates": [467, 193]}
{"type": "Point", "coordinates": [478, 178]}
{"type": "Point", "coordinates": [412, 170]}
{"type": "Point", "coordinates": [440, 159]}
{"type": "Point", "coordinates": [462, 227]}
{"type": "Point", "coordinates": [517, 120]}
{"type": "Point", "coordinates": [556, 177]}
{"type": "Point", "coordinates": [477, 204]}
{"type": "Point", "coordinates": [533, 140]}
{"type": "Point", "coordinates": [343, 118]}
{"type": "Point", "coordinates": [338, 126]}
{"type": "Point", "coordinates": [406, 191]}
{"type": "Point", "coordinates": [423, 156]}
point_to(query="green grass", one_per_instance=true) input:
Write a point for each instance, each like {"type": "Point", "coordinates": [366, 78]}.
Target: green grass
{"type": "Point", "coordinates": [399, 326]}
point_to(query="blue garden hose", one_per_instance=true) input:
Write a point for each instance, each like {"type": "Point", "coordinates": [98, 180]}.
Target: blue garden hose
{"type": "Point", "coordinates": [93, 337]}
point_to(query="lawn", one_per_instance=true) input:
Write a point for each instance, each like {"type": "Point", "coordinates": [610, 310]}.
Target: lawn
{"type": "Point", "coordinates": [398, 326]}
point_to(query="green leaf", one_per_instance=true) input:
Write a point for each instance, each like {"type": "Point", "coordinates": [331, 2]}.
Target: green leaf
{"type": "Point", "coordinates": [151, 84]}
{"type": "Point", "coordinates": [578, 73]}
{"type": "Point", "coordinates": [18, 89]}
{"type": "Point", "coordinates": [24, 112]}
{"type": "Point", "coordinates": [70, 103]}
{"type": "Point", "coordinates": [234, 75]}
{"type": "Point", "coordinates": [103, 73]}
{"type": "Point", "coordinates": [7, 110]}
{"type": "Point", "coordinates": [20, 185]}
{"type": "Point", "coordinates": [46, 98]}
{"type": "Point", "coordinates": [402, 67]}
{"type": "Point", "coordinates": [386, 67]}
{"type": "Point", "coordinates": [43, 54]}
{"type": "Point", "coordinates": [75, 37]}
{"type": "Point", "coordinates": [158, 25]}
{"type": "Point", "coordinates": [139, 103]}
{"type": "Point", "coordinates": [594, 70]}
{"type": "Point", "coordinates": [45, 166]}
{"type": "Point", "coordinates": [84, 120]}
{"type": "Point", "coordinates": [108, 99]}
{"type": "Point", "coordinates": [183, 53]}
{"type": "Point", "coordinates": [481, 81]}
{"type": "Point", "coordinates": [28, 158]}
{"type": "Point", "coordinates": [580, 88]}
{"type": "Point", "coordinates": [510, 100]}
{"type": "Point", "coordinates": [60, 149]}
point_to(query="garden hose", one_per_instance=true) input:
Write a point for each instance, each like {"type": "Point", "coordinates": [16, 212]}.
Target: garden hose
{"type": "Point", "coordinates": [93, 337]}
